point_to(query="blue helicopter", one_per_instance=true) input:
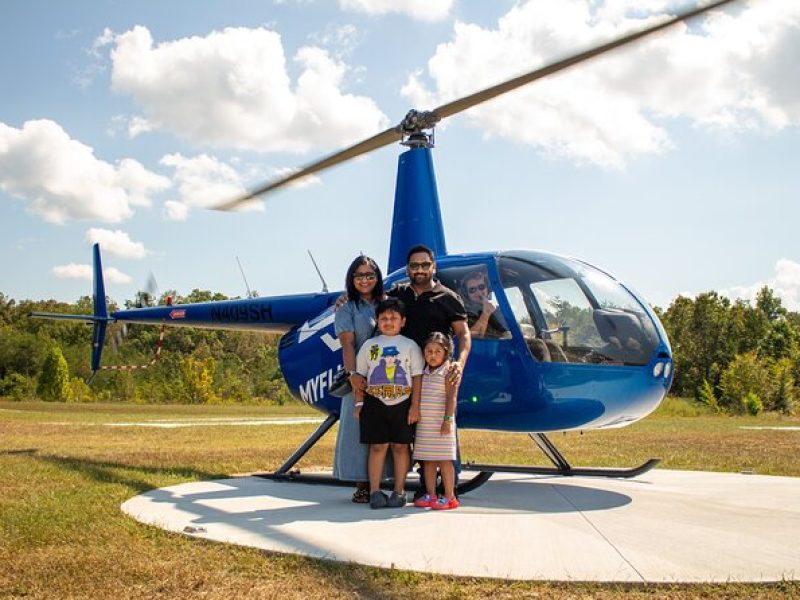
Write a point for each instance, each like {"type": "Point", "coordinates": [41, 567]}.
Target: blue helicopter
{"type": "Point", "coordinates": [571, 347]}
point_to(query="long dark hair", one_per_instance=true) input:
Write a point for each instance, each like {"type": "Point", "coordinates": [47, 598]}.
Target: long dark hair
{"type": "Point", "coordinates": [352, 293]}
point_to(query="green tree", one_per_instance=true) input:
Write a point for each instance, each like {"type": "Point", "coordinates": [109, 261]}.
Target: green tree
{"type": "Point", "coordinates": [198, 380]}
{"type": "Point", "coordinates": [54, 383]}
{"type": "Point", "coordinates": [21, 351]}
{"type": "Point", "coordinates": [17, 386]}
{"type": "Point", "coordinates": [769, 304]}
{"type": "Point", "coordinates": [702, 347]}
{"type": "Point", "coordinates": [6, 309]}
{"type": "Point", "coordinates": [746, 326]}
{"type": "Point", "coordinates": [746, 374]}
{"type": "Point", "coordinates": [782, 396]}
{"type": "Point", "coordinates": [779, 341]}
{"type": "Point", "coordinates": [197, 295]}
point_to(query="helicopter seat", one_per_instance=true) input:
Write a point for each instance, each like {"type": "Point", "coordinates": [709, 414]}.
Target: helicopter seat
{"type": "Point", "coordinates": [621, 332]}
{"type": "Point", "coordinates": [557, 353]}
{"type": "Point", "coordinates": [539, 350]}
{"type": "Point", "coordinates": [537, 346]}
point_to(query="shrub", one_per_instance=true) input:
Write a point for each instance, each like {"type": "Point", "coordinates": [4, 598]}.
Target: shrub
{"type": "Point", "coordinates": [705, 395]}
{"type": "Point", "coordinates": [746, 374]}
{"type": "Point", "coordinates": [17, 386]}
{"type": "Point", "coordinates": [53, 383]}
{"type": "Point", "coordinates": [80, 391]}
{"type": "Point", "coordinates": [752, 403]}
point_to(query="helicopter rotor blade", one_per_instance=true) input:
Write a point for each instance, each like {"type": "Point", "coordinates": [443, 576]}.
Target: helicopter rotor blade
{"type": "Point", "coordinates": [384, 138]}
{"type": "Point", "coordinates": [417, 121]}
{"type": "Point", "coordinates": [462, 104]}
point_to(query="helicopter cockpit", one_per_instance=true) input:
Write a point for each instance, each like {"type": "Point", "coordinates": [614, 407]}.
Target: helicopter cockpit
{"type": "Point", "coordinates": [571, 312]}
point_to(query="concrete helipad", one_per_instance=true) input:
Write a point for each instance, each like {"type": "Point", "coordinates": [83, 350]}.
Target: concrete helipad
{"type": "Point", "coordinates": [662, 526]}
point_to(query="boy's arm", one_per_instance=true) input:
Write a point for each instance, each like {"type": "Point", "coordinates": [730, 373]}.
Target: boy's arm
{"type": "Point", "coordinates": [416, 389]}
{"type": "Point", "coordinates": [359, 403]}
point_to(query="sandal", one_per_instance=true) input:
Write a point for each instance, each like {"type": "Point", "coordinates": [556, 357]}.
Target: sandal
{"type": "Point", "coordinates": [361, 496]}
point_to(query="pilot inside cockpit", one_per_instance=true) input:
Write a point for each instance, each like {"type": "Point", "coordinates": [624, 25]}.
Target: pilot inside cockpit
{"type": "Point", "coordinates": [483, 317]}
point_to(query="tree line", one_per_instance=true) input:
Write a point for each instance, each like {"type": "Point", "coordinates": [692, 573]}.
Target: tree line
{"type": "Point", "coordinates": [734, 356]}
{"type": "Point", "coordinates": [50, 360]}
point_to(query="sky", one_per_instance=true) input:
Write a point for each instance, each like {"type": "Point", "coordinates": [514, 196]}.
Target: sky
{"type": "Point", "coordinates": [671, 164]}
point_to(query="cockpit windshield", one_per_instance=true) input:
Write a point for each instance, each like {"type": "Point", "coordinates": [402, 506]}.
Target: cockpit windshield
{"type": "Point", "coordinates": [569, 311]}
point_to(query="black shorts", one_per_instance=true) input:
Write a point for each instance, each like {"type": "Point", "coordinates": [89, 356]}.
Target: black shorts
{"type": "Point", "coordinates": [381, 424]}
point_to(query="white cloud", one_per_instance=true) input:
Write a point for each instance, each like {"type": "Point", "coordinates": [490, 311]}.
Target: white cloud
{"type": "Point", "coordinates": [729, 72]}
{"type": "Point", "coordinates": [203, 181]}
{"type": "Point", "coordinates": [342, 39]}
{"type": "Point", "coordinates": [175, 211]}
{"type": "Point", "coordinates": [231, 88]}
{"type": "Point", "coordinates": [104, 39]}
{"type": "Point", "coordinates": [421, 10]}
{"type": "Point", "coordinates": [116, 242]}
{"type": "Point", "coordinates": [785, 284]}
{"type": "Point", "coordinates": [73, 271]}
{"type": "Point", "coordinates": [61, 178]}
{"type": "Point", "coordinates": [84, 272]}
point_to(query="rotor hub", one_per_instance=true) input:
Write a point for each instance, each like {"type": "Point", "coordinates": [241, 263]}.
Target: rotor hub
{"type": "Point", "coordinates": [413, 128]}
{"type": "Point", "coordinates": [419, 139]}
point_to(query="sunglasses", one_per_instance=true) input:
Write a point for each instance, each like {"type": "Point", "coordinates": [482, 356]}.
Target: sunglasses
{"type": "Point", "coordinates": [365, 276]}
{"type": "Point", "coordinates": [419, 266]}
{"type": "Point", "coordinates": [480, 287]}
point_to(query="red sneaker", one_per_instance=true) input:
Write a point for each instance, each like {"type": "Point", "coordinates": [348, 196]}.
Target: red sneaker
{"type": "Point", "coordinates": [445, 504]}
{"type": "Point", "coordinates": [425, 501]}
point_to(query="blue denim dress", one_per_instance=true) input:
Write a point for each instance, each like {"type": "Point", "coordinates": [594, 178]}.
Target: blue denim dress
{"type": "Point", "coordinates": [350, 458]}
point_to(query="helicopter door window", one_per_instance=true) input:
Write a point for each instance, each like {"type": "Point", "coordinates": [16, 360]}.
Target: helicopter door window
{"type": "Point", "coordinates": [570, 332]}
{"type": "Point", "coordinates": [537, 346]}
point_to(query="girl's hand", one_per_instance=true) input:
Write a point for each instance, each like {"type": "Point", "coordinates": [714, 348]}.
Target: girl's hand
{"type": "Point", "coordinates": [447, 428]}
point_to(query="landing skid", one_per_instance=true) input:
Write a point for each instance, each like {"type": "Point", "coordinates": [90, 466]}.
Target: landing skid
{"type": "Point", "coordinates": [562, 467]}
{"type": "Point", "coordinates": [484, 471]}
{"type": "Point", "coordinates": [286, 473]}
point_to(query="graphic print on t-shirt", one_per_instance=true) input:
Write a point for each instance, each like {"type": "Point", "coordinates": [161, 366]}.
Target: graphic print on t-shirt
{"type": "Point", "coordinates": [388, 379]}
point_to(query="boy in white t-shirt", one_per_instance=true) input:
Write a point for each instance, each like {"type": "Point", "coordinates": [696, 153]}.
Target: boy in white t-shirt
{"type": "Point", "coordinates": [392, 365]}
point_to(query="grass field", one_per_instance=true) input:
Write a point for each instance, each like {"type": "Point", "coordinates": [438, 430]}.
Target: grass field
{"type": "Point", "coordinates": [65, 470]}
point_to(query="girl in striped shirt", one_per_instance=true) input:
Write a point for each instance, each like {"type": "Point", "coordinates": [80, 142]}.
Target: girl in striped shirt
{"type": "Point", "coordinates": [435, 441]}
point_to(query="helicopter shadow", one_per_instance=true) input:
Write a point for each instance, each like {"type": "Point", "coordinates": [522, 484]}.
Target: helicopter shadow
{"type": "Point", "coordinates": [542, 495]}
{"type": "Point", "coordinates": [255, 504]}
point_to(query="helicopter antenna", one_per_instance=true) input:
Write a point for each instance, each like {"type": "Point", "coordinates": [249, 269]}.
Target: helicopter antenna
{"type": "Point", "coordinates": [247, 285]}
{"type": "Point", "coordinates": [324, 285]}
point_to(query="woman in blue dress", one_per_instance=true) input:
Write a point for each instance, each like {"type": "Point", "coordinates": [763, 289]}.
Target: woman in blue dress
{"type": "Point", "coordinates": [355, 324]}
